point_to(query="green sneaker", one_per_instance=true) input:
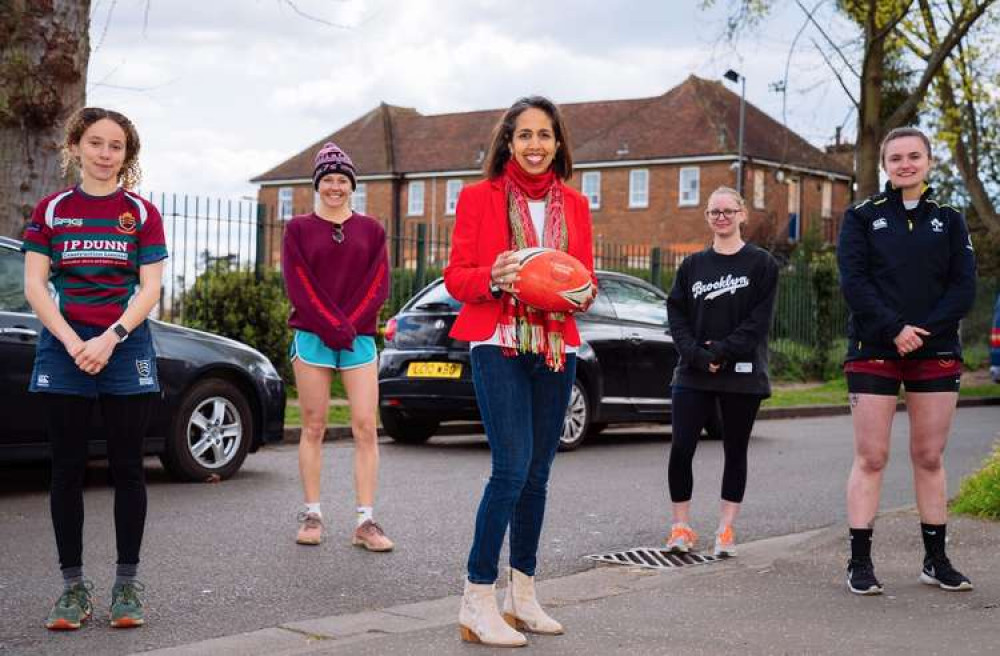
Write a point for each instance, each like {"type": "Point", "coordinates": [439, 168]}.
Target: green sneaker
{"type": "Point", "coordinates": [126, 606]}
{"type": "Point", "coordinates": [72, 609]}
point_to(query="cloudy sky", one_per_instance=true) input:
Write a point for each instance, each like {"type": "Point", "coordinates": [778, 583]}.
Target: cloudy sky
{"type": "Point", "coordinates": [222, 90]}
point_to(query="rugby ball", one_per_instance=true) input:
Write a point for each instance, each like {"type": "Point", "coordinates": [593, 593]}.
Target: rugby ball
{"type": "Point", "coordinates": [552, 280]}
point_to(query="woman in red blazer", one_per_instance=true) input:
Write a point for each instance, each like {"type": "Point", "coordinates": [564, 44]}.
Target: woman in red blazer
{"type": "Point", "coordinates": [523, 359]}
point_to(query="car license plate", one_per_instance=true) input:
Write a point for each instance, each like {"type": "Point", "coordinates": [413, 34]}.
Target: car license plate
{"type": "Point", "coordinates": [434, 370]}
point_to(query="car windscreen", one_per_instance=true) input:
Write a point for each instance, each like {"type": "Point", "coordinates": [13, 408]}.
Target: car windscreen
{"type": "Point", "coordinates": [435, 297]}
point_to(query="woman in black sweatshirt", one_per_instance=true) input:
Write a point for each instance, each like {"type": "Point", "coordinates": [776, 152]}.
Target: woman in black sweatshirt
{"type": "Point", "coordinates": [719, 310]}
{"type": "Point", "coordinates": [908, 274]}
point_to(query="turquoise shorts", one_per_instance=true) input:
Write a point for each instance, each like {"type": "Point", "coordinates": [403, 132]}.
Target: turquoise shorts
{"type": "Point", "coordinates": [312, 350]}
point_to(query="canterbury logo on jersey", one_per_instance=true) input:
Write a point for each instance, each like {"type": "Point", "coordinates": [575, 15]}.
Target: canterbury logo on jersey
{"type": "Point", "coordinates": [728, 283]}
{"type": "Point", "coordinates": [878, 224]}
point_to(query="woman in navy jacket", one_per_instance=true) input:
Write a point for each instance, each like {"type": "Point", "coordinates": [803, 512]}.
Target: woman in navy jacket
{"type": "Point", "coordinates": [907, 271]}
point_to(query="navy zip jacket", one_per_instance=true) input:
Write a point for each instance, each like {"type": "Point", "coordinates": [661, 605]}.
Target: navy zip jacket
{"type": "Point", "coordinates": [899, 267]}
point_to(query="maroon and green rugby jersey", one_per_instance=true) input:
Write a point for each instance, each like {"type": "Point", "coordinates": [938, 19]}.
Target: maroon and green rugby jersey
{"type": "Point", "coordinates": [96, 245]}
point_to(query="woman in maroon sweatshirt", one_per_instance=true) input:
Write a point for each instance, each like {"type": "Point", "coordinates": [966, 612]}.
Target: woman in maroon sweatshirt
{"type": "Point", "coordinates": [337, 275]}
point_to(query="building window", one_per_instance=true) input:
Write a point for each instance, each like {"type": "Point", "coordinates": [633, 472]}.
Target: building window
{"type": "Point", "coordinates": [415, 198]}
{"type": "Point", "coordinates": [638, 188]}
{"type": "Point", "coordinates": [759, 202]}
{"type": "Point", "coordinates": [690, 177]}
{"type": "Point", "coordinates": [826, 209]}
{"type": "Point", "coordinates": [590, 185]}
{"type": "Point", "coordinates": [359, 199]}
{"type": "Point", "coordinates": [285, 203]}
{"type": "Point", "coordinates": [451, 190]}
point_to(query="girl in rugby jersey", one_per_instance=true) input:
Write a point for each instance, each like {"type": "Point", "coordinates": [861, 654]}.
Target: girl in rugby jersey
{"type": "Point", "coordinates": [102, 248]}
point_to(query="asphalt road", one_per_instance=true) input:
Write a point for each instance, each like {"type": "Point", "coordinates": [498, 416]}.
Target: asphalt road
{"type": "Point", "coordinates": [220, 559]}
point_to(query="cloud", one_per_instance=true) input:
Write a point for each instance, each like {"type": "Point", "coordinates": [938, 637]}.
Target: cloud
{"type": "Point", "coordinates": [224, 90]}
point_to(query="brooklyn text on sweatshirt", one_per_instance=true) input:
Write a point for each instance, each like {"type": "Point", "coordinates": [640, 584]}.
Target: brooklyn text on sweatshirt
{"type": "Point", "coordinates": [336, 288]}
{"type": "Point", "coordinates": [901, 267]}
{"type": "Point", "coordinates": [720, 311]}
{"type": "Point", "coordinates": [96, 245]}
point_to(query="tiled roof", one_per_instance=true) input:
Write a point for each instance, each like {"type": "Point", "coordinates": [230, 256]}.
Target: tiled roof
{"type": "Point", "coordinates": [696, 118]}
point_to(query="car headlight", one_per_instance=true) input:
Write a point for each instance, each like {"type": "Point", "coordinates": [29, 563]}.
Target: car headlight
{"type": "Point", "coordinates": [265, 369]}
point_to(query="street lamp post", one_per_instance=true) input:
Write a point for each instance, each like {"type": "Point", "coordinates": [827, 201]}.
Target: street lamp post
{"type": "Point", "coordinates": [733, 76]}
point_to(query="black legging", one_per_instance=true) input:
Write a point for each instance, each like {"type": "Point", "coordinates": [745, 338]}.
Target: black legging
{"type": "Point", "coordinates": [691, 410]}
{"type": "Point", "coordinates": [125, 420]}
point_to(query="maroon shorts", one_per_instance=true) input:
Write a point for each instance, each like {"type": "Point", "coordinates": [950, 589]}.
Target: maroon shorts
{"type": "Point", "coordinates": [884, 376]}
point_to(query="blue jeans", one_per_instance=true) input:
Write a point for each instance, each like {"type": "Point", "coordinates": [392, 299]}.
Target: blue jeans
{"type": "Point", "coordinates": [523, 404]}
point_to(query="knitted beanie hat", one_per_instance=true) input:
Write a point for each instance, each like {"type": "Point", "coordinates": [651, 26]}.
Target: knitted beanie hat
{"type": "Point", "coordinates": [331, 159]}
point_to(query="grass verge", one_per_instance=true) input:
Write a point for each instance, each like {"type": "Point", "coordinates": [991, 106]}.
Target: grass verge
{"type": "Point", "coordinates": [979, 494]}
{"type": "Point", "coordinates": [832, 392]}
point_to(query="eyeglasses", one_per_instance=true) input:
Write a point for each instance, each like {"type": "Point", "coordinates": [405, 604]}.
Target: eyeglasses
{"type": "Point", "coordinates": [728, 213]}
{"type": "Point", "coordinates": [338, 233]}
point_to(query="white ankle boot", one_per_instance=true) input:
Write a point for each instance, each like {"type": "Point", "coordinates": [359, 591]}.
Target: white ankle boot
{"type": "Point", "coordinates": [521, 608]}
{"type": "Point", "coordinates": [480, 621]}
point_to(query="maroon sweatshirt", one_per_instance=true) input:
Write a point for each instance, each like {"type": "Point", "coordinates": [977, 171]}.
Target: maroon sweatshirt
{"type": "Point", "coordinates": [336, 289]}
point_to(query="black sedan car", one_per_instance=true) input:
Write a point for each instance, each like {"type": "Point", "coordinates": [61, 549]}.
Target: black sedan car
{"type": "Point", "coordinates": [219, 399]}
{"type": "Point", "coordinates": [623, 373]}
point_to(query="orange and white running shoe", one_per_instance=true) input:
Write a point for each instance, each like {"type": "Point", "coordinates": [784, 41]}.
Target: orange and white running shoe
{"type": "Point", "coordinates": [682, 538]}
{"type": "Point", "coordinates": [725, 543]}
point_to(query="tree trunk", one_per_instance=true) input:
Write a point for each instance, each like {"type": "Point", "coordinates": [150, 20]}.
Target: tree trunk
{"type": "Point", "coordinates": [43, 76]}
{"type": "Point", "coordinates": [866, 163]}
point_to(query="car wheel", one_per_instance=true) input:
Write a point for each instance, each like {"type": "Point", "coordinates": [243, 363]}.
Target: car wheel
{"type": "Point", "coordinates": [577, 420]}
{"type": "Point", "coordinates": [211, 434]}
{"type": "Point", "coordinates": [407, 430]}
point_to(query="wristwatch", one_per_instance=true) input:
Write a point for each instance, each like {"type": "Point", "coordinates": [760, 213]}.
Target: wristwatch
{"type": "Point", "coordinates": [120, 331]}
{"type": "Point", "coordinates": [494, 289]}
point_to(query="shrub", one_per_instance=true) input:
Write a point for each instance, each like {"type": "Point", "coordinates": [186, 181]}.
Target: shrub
{"type": "Point", "coordinates": [238, 305]}
{"type": "Point", "coordinates": [979, 494]}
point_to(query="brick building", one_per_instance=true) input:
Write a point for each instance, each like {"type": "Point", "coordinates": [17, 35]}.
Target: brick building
{"type": "Point", "coordinates": [647, 165]}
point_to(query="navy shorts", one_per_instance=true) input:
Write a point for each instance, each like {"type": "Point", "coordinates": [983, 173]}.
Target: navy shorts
{"type": "Point", "coordinates": [131, 369]}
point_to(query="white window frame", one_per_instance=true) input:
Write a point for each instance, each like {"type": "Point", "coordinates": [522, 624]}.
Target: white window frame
{"type": "Point", "coordinates": [691, 196]}
{"type": "Point", "coordinates": [286, 203]}
{"type": "Point", "coordinates": [759, 189]}
{"type": "Point", "coordinates": [638, 188]}
{"type": "Point", "coordinates": [452, 188]}
{"type": "Point", "coordinates": [415, 198]}
{"type": "Point", "coordinates": [590, 187]}
{"type": "Point", "coordinates": [359, 199]}
{"type": "Point", "coordinates": [826, 202]}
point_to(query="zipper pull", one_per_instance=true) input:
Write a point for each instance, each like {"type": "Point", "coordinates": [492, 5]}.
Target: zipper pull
{"type": "Point", "coordinates": [909, 222]}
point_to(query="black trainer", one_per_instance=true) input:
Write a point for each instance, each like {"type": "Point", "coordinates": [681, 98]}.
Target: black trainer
{"type": "Point", "coordinates": [861, 578]}
{"type": "Point", "coordinates": [939, 572]}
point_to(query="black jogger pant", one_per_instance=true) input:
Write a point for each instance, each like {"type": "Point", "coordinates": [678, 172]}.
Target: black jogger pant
{"type": "Point", "coordinates": [691, 411]}
{"type": "Point", "coordinates": [125, 420]}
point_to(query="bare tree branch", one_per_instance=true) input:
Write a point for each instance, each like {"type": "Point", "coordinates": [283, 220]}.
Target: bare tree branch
{"type": "Point", "coordinates": [316, 19]}
{"type": "Point", "coordinates": [955, 34]}
{"type": "Point", "coordinates": [819, 28]}
{"type": "Point", "coordinates": [836, 73]}
{"type": "Point", "coordinates": [887, 29]}
{"type": "Point", "coordinates": [107, 24]}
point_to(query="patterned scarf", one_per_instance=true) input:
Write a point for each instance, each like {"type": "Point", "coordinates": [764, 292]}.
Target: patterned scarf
{"type": "Point", "coordinates": [524, 329]}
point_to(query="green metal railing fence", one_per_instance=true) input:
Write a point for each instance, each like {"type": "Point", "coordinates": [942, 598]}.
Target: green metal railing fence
{"type": "Point", "coordinates": [203, 233]}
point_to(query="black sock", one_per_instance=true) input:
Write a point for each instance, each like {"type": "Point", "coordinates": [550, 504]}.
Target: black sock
{"type": "Point", "coordinates": [72, 576]}
{"type": "Point", "coordinates": [861, 544]}
{"type": "Point", "coordinates": [125, 573]}
{"type": "Point", "coordinates": [934, 537]}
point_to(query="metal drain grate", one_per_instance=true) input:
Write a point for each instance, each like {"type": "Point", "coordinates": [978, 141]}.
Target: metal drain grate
{"type": "Point", "coordinates": [653, 558]}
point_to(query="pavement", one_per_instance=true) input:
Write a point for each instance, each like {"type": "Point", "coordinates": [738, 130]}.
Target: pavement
{"type": "Point", "coordinates": [783, 595]}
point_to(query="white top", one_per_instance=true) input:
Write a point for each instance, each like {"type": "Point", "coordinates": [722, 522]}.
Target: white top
{"type": "Point", "coordinates": [911, 204]}
{"type": "Point", "coordinates": [537, 210]}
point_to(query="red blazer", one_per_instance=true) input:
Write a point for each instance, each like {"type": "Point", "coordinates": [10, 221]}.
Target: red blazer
{"type": "Point", "coordinates": [481, 233]}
